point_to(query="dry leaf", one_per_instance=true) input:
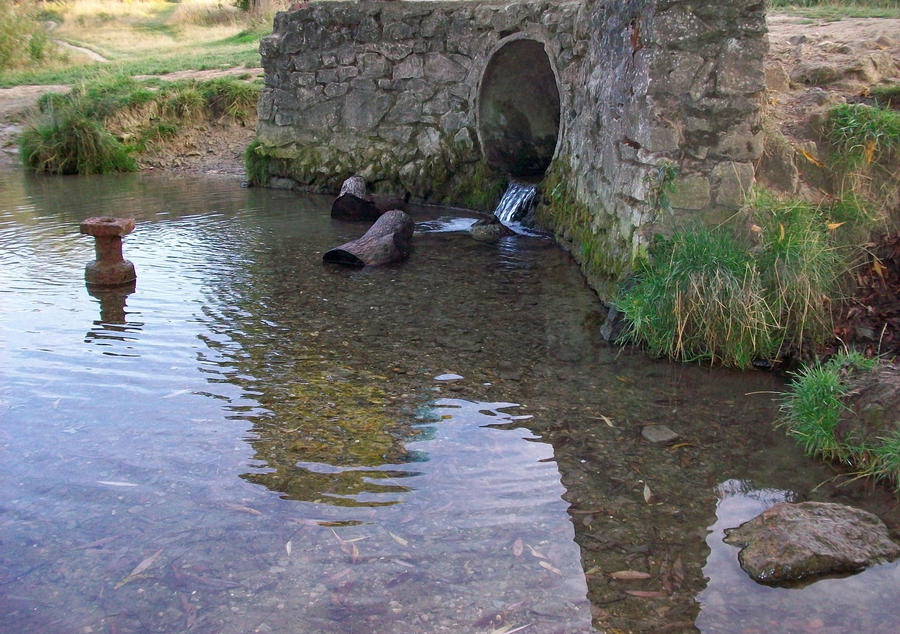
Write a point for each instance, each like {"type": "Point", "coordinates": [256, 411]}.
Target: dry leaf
{"type": "Point", "coordinates": [870, 151]}
{"type": "Point", "coordinates": [550, 567]}
{"type": "Point", "coordinates": [780, 232]}
{"type": "Point", "coordinates": [833, 225]}
{"type": "Point", "coordinates": [648, 494]}
{"type": "Point", "coordinates": [629, 575]}
{"type": "Point", "coordinates": [536, 553]}
{"type": "Point", "coordinates": [812, 159]}
{"type": "Point", "coordinates": [141, 567]}
{"type": "Point", "coordinates": [878, 267]}
{"type": "Point", "coordinates": [190, 610]}
{"type": "Point", "coordinates": [680, 445]}
{"type": "Point", "coordinates": [398, 539]}
{"type": "Point", "coordinates": [606, 420]}
{"type": "Point", "coordinates": [243, 509]}
{"type": "Point", "coordinates": [518, 547]}
{"type": "Point", "coordinates": [756, 229]}
{"type": "Point", "coordinates": [354, 553]}
{"type": "Point", "coordinates": [646, 594]}
{"type": "Point", "coordinates": [287, 547]}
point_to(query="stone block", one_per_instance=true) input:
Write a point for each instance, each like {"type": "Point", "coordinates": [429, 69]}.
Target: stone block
{"type": "Point", "coordinates": [429, 142]}
{"type": "Point", "coordinates": [373, 65]}
{"type": "Point", "coordinates": [692, 191]}
{"type": "Point", "coordinates": [363, 109]}
{"type": "Point", "coordinates": [440, 68]}
{"type": "Point", "coordinates": [740, 67]}
{"type": "Point", "coordinates": [413, 67]}
{"type": "Point", "coordinates": [733, 181]}
{"type": "Point", "coordinates": [777, 79]}
{"type": "Point", "coordinates": [336, 90]}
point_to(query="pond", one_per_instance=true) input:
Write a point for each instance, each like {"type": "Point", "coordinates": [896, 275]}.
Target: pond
{"type": "Point", "coordinates": [252, 441]}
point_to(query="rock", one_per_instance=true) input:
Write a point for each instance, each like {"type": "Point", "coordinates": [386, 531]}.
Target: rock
{"type": "Point", "coordinates": [612, 328]}
{"type": "Point", "coordinates": [818, 74]}
{"type": "Point", "coordinates": [489, 230]}
{"type": "Point", "coordinates": [691, 192]}
{"type": "Point", "coordinates": [658, 434]}
{"type": "Point", "coordinates": [777, 79]}
{"type": "Point", "coordinates": [791, 542]}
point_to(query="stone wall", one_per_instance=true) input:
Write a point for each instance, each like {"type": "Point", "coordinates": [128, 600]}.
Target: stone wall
{"type": "Point", "coordinates": [389, 90]}
{"type": "Point", "coordinates": [663, 83]}
{"type": "Point", "coordinates": [395, 91]}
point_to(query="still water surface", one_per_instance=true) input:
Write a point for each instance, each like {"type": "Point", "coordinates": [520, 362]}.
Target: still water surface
{"type": "Point", "coordinates": [252, 441]}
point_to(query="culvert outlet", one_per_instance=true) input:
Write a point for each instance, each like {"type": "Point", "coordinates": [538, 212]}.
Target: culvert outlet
{"type": "Point", "coordinates": [518, 109]}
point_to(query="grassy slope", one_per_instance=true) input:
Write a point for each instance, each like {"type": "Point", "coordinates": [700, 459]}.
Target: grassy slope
{"type": "Point", "coordinates": [146, 38]}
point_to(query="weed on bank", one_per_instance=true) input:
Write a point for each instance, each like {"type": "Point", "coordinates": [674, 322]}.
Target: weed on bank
{"type": "Point", "coordinates": [101, 125]}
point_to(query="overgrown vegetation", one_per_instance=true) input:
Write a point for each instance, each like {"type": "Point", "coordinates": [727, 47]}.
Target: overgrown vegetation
{"type": "Point", "coordinates": [814, 411]}
{"type": "Point", "coordinates": [100, 125]}
{"type": "Point", "coordinates": [699, 296]}
{"type": "Point", "coordinates": [730, 295]}
{"type": "Point", "coordinates": [766, 284]}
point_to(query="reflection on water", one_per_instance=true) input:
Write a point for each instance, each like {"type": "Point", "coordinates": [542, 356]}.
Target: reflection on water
{"type": "Point", "coordinates": [250, 440]}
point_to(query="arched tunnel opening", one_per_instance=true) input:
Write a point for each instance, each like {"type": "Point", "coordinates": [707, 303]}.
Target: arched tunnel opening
{"type": "Point", "coordinates": [518, 110]}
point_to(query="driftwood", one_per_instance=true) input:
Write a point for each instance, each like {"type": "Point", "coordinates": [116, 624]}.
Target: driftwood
{"type": "Point", "coordinates": [352, 207]}
{"type": "Point", "coordinates": [388, 240]}
{"type": "Point", "coordinates": [353, 203]}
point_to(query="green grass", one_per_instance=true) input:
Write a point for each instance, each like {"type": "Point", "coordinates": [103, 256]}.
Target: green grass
{"type": "Point", "coordinates": [101, 124]}
{"type": "Point", "coordinates": [67, 142]}
{"type": "Point", "coordinates": [861, 135]}
{"type": "Point", "coordinates": [816, 404]}
{"type": "Point", "coordinates": [833, 10]}
{"type": "Point", "coordinates": [162, 65]}
{"type": "Point", "coordinates": [23, 40]}
{"type": "Point", "coordinates": [730, 296]}
{"type": "Point", "coordinates": [698, 297]}
{"type": "Point", "coordinates": [800, 265]}
{"type": "Point", "coordinates": [887, 96]}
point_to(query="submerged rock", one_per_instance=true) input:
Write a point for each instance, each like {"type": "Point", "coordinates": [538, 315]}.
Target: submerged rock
{"type": "Point", "coordinates": [658, 434]}
{"type": "Point", "coordinates": [489, 230]}
{"type": "Point", "coordinates": [792, 542]}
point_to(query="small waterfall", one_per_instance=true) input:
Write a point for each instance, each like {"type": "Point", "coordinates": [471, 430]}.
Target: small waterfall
{"type": "Point", "coordinates": [516, 202]}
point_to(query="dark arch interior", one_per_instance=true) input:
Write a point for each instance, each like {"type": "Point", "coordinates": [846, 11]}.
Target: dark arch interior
{"type": "Point", "coordinates": [518, 109]}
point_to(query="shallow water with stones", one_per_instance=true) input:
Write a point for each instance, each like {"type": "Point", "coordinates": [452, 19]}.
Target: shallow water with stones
{"type": "Point", "coordinates": [252, 441]}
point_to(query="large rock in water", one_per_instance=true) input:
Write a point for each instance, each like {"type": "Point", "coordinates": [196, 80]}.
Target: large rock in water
{"type": "Point", "coordinates": [790, 542]}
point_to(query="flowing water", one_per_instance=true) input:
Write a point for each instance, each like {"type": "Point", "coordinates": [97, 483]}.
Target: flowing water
{"type": "Point", "coordinates": [516, 203]}
{"type": "Point", "coordinates": [252, 441]}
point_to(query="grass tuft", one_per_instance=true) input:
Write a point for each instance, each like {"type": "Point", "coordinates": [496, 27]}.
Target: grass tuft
{"type": "Point", "coordinates": [860, 135]}
{"type": "Point", "coordinates": [698, 297]}
{"type": "Point", "coordinates": [816, 406]}
{"type": "Point", "coordinates": [64, 141]}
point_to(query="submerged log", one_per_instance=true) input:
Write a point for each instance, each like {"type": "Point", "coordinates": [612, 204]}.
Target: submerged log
{"type": "Point", "coordinates": [352, 207]}
{"type": "Point", "coordinates": [353, 203]}
{"type": "Point", "coordinates": [388, 240]}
